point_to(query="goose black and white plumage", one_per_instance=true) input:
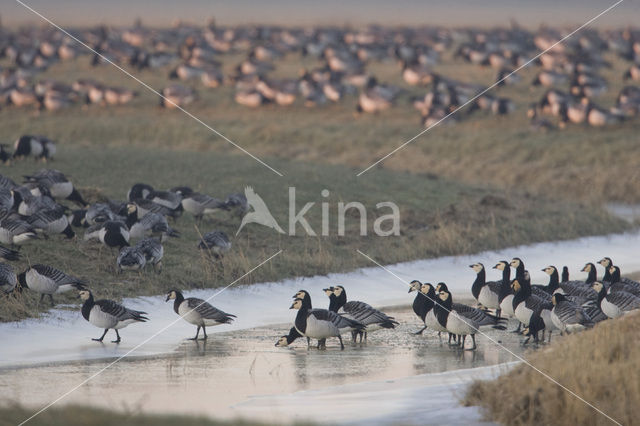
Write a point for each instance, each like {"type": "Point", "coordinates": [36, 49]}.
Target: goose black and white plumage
{"type": "Point", "coordinates": [52, 221]}
{"type": "Point", "coordinates": [154, 223]}
{"type": "Point", "coordinates": [568, 316]}
{"type": "Point", "coordinates": [217, 242]}
{"type": "Point", "coordinates": [364, 313]}
{"type": "Point", "coordinates": [457, 321]}
{"type": "Point", "coordinates": [487, 293]}
{"type": "Point", "coordinates": [16, 231]}
{"type": "Point", "coordinates": [480, 315]}
{"type": "Point", "coordinates": [577, 291]}
{"type": "Point", "coordinates": [147, 206]}
{"type": "Point", "coordinates": [617, 303]}
{"type": "Point", "coordinates": [534, 327]}
{"type": "Point", "coordinates": [28, 204]}
{"type": "Point", "coordinates": [107, 314]}
{"type": "Point", "coordinates": [130, 259]}
{"type": "Point", "coordinates": [100, 213]}
{"type": "Point", "coordinates": [522, 274]}
{"type": "Point", "coordinates": [9, 254]}
{"type": "Point", "coordinates": [344, 324]}
{"type": "Point", "coordinates": [505, 296]}
{"type": "Point", "coordinates": [8, 278]}
{"type": "Point", "coordinates": [57, 185]}
{"type": "Point", "coordinates": [153, 251]}
{"type": "Point", "coordinates": [47, 280]}
{"type": "Point", "coordinates": [421, 304]}
{"type": "Point", "coordinates": [525, 304]}
{"type": "Point", "coordinates": [200, 204]}
{"type": "Point", "coordinates": [320, 324]}
{"type": "Point", "coordinates": [28, 146]}
{"type": "Point", "coordinates": [198, 312]}
{"type": "Point", "coordinates": [428, 291]}
{"type": "Point", "coordinates": [6, 199]}
{"type": "Point", "coordinates": [169, 199]}
{"type": "Point", "coordinates": [112, 233]}
{"type": "Point", "coordinates": [288, 339]}
{"type": "Point", "coordinates": [138, 191]}
{"type": "Point", "coordinates": [622, 284]}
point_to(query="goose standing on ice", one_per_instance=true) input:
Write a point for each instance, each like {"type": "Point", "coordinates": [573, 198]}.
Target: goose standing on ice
{"type": "Point", "coordinates": [364, 313]}
{"type": "Point", "coordinates": [568, 316]}
{"type": "Point", "coordinates": [198, 312]}
{"type": "Point", "coordinates": [108, 314]}
{"type": "Point", "coordinates": [486, 293]}
{"type": "Point", "coordinates": [431, 321]}
{"type": "Point", "coordinates": [288, 339]}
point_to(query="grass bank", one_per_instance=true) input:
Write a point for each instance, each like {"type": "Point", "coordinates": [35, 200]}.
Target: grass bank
{"type": "Point", "coordinates": [84, 416]}
{"type": "Point", "coordinates": [438, 217]}
{"type": "Point", "coordinates": [601, 365]}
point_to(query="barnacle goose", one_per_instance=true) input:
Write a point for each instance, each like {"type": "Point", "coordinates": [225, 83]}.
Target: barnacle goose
{"type": "Point", "coordinates": [147, 206]}
{"type": "Point", "coordinates": [606, 263]}
{"type": "Point", "coordinates": [169, 199]}
{"type": "Point", "coordinates": [505, 296]}
{"type": "Point", "coordinates": [108, 314]}
{"type": "Point", "coordinates": [8, 278]}
{"type": "Point", "coordinates": [78, 219]}
{"type": "Point", "coordinates": [28, 145]}
{"type": "Point", "coordinates": [344, 324]}
{"type": "Point", "coordinates": [57, 185]}
{"type": "Point", "coordinates": [99, 213]}
{"type": "Point", "coordinates": [421, 304]}
{"type": "Point", "coordinates": [217, 242]}
{"type": "Point", "coordinates": [138, 191]}
{"type": "Point", "coordinates": [622, 284]}
{"type": "Point", "coordinates": [153, 252]}
{"type": "Point", "coordinates": [364, 313]}
{"type": "Point", "coordinates": [154, 223]}
{"type": "Point", "coordinates": [459, 321]}
{"type": "Point", "coordinates": [29, 204]}
{"type": "Point", "coordinates": [198, 312]}
{"type": "Point", "coordinates": [110, 233]}
{"type": "Point", "coordinates": [617, 303]}
{"type": "Point", "coordinates": [525, 304]}
{"type": "Point", "coordinates": [52, 221]}
{"type": "Point", "coordinates": [47, 280]}
{"type": "Point", "coordinates": [486, 293]}
{"type": "Point", "coordinates": [15, 231]}
{"type": "Point", "coordinates": [430, 320]}
{"type": "Point", "coordinates": [578, 292]}
{"type": "Point", "coordinates": [320, 323]}
{"type": "Point", "coordinates": [568, 316]}
{"type": "Point", "coordinates": [130, 259]}
{"type": "Point", "coordinates": [523, 274]}
{"type": "Point", "coordinates": [200, 204]}
{"type": "Point", "coordinates": [288, 339]}
{"type": "Point", "coordinates": [6, 198]}
{"type": "Point", "coordinates": [535, 325]}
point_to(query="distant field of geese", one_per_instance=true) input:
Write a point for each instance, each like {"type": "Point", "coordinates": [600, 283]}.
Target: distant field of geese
{"type": "Point", "coordinates": [194, 56]}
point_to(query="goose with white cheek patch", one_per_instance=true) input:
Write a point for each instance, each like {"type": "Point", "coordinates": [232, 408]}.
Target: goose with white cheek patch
{"type": "Point", "coordinates": [487, 293]}
{"type": "Point", "coordinates": [617, 303]}
{"type": "Point", "coordinates": [421, 304]}
{"type": "Point", "coordinates": [288, 339]}
{"type": "Point", "coordinates": [525, 304]}
{"type": "Point", "coordinates": [364, 313]}
{"type": "Point", "coordinates": [198, 312]}
{"type": "Point", "coordinates": [319, 324]}
{"type": "Point", "coordinates": [460, 323]}
{"type": "Point", "coordinates": [622, 284]}
{"type": "Point", "coordinates": [108, 314]}
{"type": "Point", "coordinates": [47, 281]}
{"type": "Point", "coordinates": [568, 316]}
{"type": "Point", "coordinates": [343, 323]}
{"type": "Point", "coordinates": [428, 291]}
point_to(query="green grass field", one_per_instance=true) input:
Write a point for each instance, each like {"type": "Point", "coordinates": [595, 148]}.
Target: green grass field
{"type": "Point", "coordinates": [455, 186]}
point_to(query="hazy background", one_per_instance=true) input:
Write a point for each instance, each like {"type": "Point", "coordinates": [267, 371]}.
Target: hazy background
{"type": "Point", "coordinates": [528, 13]}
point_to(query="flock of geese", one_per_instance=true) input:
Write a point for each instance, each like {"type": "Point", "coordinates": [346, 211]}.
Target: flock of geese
{"type": "Point", "coordinates": [33, 210]}
{"type": "Point", "coordinates": [571, 70]}
{"type": "Point", "coordinates": [561, 305]}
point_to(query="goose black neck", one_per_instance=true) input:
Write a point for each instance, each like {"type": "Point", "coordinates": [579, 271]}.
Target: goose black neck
{"type": "Point", "coordinates": [592, 275]}
{"type": "Point", "coordinates": [478, 283]}
{"type": "Point", "coordinates": [607, 275]}
{"type": "Point", "coordinates": [301, 319]}
{"type": "Point", "coordinates": [178, 302]}
{"type": "Point", "coordinates": [333, 303]}
{"type": "Point", "coordinates": [306, 302]}
{"type": "Point", "coordinates": [293, 335]}
{"type": "Point", "coordinates": [602, 294]}
{"type": "Point", "coordinates": [554, 280]}
{"type": "Point", "coordinates": [86, 306]}
{"type": "Point", "coordinates": [341, 300]}
{"type": "Point", "coordinates": [506, 275]}
{"type": "Point", "coordinates": [520, 271]}
{"type": "Point", "coordinates": [422, 305]}
{"type": "Point", "coordinates": [615, 276]}
{"type": "Point", "coordinates": [132, 218]}
{"type": "Point", "coordinates": [441, 309]}
{"type": "Point", "coordinates": [505, 288]}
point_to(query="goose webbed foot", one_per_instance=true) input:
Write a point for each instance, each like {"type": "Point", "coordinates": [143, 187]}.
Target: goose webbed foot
{"type": "Point", "coordinates": [341, 344]}
{"type": "Point", "coordinates": [473, 348]}
{"type": "Point", "coordinates": [420, 332]}
{"type": "Point", "coordinates": [101, 337]}
{"type": "Point", "coordinates": [118, 339]}
{"type": "Point", "coordinates": [197, 333]}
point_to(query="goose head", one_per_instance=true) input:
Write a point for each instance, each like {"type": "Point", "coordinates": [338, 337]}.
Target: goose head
{"type": "Point", "coordinates": [549, 270]}
{"type": "Point", "coordinates": [606, 262]}
{"type": "Point", "coordinates": [587, 267]}
{"type": "Point", "coordinates": [338, 290]}
{"type": "Point", "coordinates": [424, 288]}
{"type": "Point", "coordinates": [173, 294]}
{"type": "Point", "coordinates": [297, 304]}
{"type": "Point", "coordinates": [415, 285]}
{"type": "Point", "coordinates": [84, 294]}
{"type": "Point", "coordinates": [444, 295]}
{"type": "Point", "coordinates": [301, 294]}
{"type": "Point", "coordinates": [477, 267]}
{"type": "Point", "coordinates": [597, 286]}
{"type": "Point", "coordinates": [515, 262]}
{"type": "Point", "coordinates": [328, 291]}
{"type": "Point", "coordinates": [441, 287]}
{"type": "Point", "coordinates": [502, 265]}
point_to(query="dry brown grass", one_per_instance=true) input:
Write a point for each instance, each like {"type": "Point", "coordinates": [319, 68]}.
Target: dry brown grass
{"type": "Point", "coordinates": [601, 365]}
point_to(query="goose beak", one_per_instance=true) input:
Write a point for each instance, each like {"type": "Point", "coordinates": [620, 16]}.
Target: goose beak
{"type": "Point", "coordinates": [168, 298]}
{"type": "Point", "coordinates": [292, 306]}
